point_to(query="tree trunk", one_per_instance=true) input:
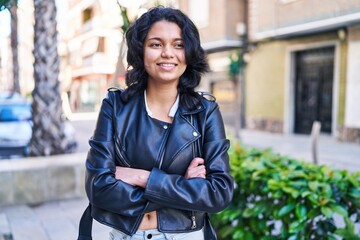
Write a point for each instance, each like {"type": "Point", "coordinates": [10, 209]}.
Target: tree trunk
{"type": "Point", "coordinates": [48, 136]}
{"type": "Point", "coordinates": [14, 45]}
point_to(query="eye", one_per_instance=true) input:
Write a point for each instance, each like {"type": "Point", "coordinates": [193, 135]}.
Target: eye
{"type": "Point", "coordinates": [155, 45]}
{"type": "Point", "coordinates": [179, 45]}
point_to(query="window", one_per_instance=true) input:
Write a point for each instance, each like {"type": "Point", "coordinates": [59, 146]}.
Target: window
{"type": "Point", "coordinates": [87, 14]}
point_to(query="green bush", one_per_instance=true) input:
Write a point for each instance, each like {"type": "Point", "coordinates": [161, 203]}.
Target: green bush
{"type": "Point", "coordinates": [277, 197]}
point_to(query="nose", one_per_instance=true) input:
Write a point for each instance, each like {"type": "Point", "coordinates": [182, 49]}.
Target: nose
{"type": "Point", "coordinates": [167, 52]}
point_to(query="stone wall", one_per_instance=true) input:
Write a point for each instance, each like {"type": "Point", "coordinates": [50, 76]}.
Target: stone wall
{"type": "Point", "coordinates": [263, 124]}
{"type": "Point", "coordinates": [348, 134]}
{"type": "Point", "coordinates": [39, 179]}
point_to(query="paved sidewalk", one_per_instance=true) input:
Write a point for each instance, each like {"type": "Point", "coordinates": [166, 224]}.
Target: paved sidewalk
{"type": "Point", "coordinates": [59, 220]}
{"type": "Point", "coordinates": [49, 221]}
{"type": "Point", "coordinates": [331, 152]}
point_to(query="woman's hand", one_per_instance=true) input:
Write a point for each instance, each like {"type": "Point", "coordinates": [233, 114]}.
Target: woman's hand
{"type": "Point", "coordinates": [132, 176]}
{"type": "Point", "coordinates": [196, 168]}
{"type": "Point", "coordinates": [139, 177]}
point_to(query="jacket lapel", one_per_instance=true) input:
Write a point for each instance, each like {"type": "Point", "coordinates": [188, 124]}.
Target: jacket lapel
{"type": "Point", "coordinates": [182, 134]}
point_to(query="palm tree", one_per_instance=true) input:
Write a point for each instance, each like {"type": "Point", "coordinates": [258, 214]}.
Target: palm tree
{"type": "Point", "coordinates": [11, 5]}
{"type": "Point", "coordinates": [14, 45]}
{"type": "Point", "coordinates": [48, 136]}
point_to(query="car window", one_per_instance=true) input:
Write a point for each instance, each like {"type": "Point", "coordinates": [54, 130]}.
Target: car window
{"type": "Point", "coordinates": [15, 112]}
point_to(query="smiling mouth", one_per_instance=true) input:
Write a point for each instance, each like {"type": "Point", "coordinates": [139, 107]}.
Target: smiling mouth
{"type": "Point", "coordinates": [167, 65]}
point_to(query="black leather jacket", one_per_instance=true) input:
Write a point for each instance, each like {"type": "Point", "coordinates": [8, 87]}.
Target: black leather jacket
{"type": "Point", "coordinates": [125, 135]}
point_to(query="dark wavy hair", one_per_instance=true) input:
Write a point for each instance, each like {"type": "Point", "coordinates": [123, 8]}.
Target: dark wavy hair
{"type": "Point", "coordinates": [137, 77]}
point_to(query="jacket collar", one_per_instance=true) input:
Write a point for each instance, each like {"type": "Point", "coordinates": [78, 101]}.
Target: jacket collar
{"type": "Point", "coordinates": [183, 110]}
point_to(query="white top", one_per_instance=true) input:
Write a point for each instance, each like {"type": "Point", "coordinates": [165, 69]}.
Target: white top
{"type": "Point", "coordinates": [172, 111]}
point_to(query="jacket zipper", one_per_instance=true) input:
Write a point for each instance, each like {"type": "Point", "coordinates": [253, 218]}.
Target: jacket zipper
{"type": "Point", "coordinates": [193, 218]}
{"type": "Point", "coordinates": [192, 145]}
{"type": "Point", "coordinates": [161, 158]}
{"type": "Point", "coordinates": [120, 155]}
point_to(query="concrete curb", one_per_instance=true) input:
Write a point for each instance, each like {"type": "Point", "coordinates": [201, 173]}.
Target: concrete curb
{"type": "Point", "coordinates": [35, 180]}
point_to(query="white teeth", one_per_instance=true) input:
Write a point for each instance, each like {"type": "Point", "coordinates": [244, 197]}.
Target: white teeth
{"type": "Point", "coordinates": [167, 65]}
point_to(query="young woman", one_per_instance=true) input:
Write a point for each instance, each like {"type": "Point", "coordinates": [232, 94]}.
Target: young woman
{"type": "Point", "coordinates": [158, 161]}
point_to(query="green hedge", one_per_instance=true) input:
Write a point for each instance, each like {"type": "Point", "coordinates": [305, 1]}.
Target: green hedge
{"type": "Point", "coordinates": [277, 197]}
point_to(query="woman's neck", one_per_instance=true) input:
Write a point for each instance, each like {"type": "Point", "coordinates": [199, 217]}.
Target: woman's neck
{"type": "Point", "coordinates": [160, 101]}
{"type": "Point", "coordinates": [162, 95]}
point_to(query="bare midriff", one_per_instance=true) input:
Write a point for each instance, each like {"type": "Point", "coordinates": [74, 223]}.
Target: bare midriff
{"type": "Point", "coordinates": [149, 221]}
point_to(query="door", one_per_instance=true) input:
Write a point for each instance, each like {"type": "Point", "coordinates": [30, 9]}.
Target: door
{"type": "Point", "coordinates": [314, 76]}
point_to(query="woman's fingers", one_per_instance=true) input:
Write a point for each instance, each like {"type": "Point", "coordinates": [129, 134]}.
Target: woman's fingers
{"type": "Point", "coordinates": [196, 168]}
{"type": "Point", "coordinates": [196, 162]}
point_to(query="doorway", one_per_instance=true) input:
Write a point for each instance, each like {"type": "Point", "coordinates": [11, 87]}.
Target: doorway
{"type": "Point", "coordinates": [314, 78]}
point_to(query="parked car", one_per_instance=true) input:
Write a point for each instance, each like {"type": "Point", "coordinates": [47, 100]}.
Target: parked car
{"type": "Point", "coordinates": [16, 128]}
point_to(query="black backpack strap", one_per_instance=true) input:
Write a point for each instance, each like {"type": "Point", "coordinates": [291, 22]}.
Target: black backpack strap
{"type": "Point", "coordinates": [85, 225]}
{"type": "Point", "coordinates": [209, 231]}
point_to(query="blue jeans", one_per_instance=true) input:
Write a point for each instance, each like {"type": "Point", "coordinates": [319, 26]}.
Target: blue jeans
{"type": "Point", "coordinates": [154, 234]}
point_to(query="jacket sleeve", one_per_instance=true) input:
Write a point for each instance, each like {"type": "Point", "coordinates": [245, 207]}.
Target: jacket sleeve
{"type": "Point", "coordinates": [212, 194]}
{"type": "Point", "coordinates": [103, 190]}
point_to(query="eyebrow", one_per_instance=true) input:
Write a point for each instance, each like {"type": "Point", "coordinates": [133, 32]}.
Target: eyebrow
{"type": "Point", "coordinates": [159, 39]}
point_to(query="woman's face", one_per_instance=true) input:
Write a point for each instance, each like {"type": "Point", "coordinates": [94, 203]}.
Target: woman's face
{"type": "Point", "coordinates": [164, 53]}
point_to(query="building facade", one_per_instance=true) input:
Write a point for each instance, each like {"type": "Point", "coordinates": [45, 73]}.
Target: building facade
{"type": "Point", "coordinates": [91, 43]}
{"type": "Point", "coordinates": [222, 27]}
{"type": "Point", "coordinates": [304, 66]}
{"type": "Point", "coordinates": [302, 58]}
{"type": "Point", "coordinates": [93, 35]}
{"type": "Point", "coordinates": [92, 39]}
{"type": "Point", "coordinates": [221, 24]}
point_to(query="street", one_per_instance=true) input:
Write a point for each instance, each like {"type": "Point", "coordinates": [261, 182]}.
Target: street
{"type": "Point", "coordinates": [84, 129]}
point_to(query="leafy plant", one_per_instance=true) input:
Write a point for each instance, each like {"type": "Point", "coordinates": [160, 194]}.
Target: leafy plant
{"type": "Point", "coordinates": [277, 197]}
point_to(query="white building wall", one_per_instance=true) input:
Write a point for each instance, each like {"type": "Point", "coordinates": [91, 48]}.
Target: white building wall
{"type": "Point", "coordinates": [352, 100]}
